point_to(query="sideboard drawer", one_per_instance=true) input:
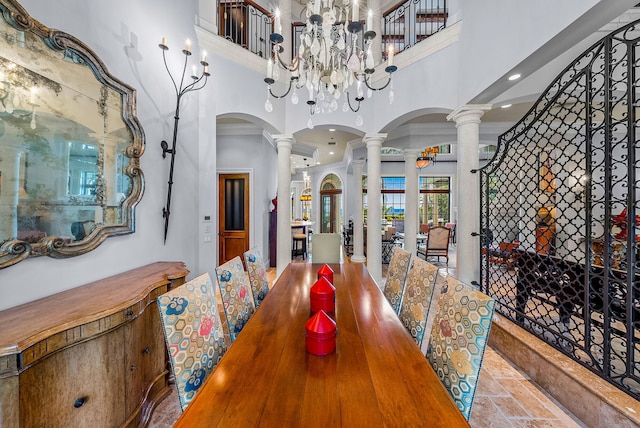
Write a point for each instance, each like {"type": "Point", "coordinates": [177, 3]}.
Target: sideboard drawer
{"type": "Point", "coordinates": [78, 386]}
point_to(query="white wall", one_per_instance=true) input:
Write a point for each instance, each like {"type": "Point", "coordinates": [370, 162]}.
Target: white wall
{"type": "Point", "coordinates": [125, 35]}
{"type": "Point", "coordinates": [251, 154]}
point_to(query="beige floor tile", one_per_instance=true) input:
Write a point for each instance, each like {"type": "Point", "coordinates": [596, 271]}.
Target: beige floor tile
{"type": "Point", "coordinates": [484, 413]}
{"type": "Point", "coordinates": [510, 407]}
{"type": "Point", "coordinates": [499, 367]}
{"type": "Point", "coordinates": [520, 391]}
{"type": "Point", "coordinates": [541, 423]}
{"type": "Point", "coordinates": [489, 386]}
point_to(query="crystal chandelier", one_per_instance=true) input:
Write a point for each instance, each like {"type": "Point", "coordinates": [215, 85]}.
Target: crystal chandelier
{"type": "Point", "coordinates": [329, 64]}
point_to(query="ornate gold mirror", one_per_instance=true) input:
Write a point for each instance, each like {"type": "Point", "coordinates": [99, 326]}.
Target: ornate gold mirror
{"type": "Point", "coordinates": [70, 144]}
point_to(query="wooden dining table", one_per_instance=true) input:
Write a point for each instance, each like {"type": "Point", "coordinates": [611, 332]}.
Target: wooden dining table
{"type": "Point", "coordinates": [377, 376]}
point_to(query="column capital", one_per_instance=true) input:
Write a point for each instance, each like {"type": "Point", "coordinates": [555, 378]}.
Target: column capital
{"type": "Point", "coordinates": [372, 140]}
{"type": "Point", "coordinates": [283, 140]}
{"type": "Point", "coordinates": [411, 154]}
{"type": "Point", "coordinates": [470, 113]}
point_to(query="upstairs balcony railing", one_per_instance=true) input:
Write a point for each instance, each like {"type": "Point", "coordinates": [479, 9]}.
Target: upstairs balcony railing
{"type": "Point", "coordinates": [412, 21]}
{"type": "Point", "coordinates": [249, 25]}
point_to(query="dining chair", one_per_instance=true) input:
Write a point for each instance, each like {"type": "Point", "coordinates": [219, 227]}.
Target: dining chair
{"type": "Point", "coordinates": [257, 275]}
{"type": "Point", "coordinates": [458, 340]}
{"type": "Point", "coordinates": [452, 228]}
{"type": "Point", "coordinates": [396, 277]}
{"type": "Point", "coordinates": [418, 292]}
{"type": "Point", "coordinates": [437, 244]}
{"type": "Point", "coordinates": [193, 334]}
{"type": "Point", "coordinates": [325, 248]}
{"type": "Point", "coordinates": [389, 240]}
{"type": "Point", "coordinates": [234, 292]}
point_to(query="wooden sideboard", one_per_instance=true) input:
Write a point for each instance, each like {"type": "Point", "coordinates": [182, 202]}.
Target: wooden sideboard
{"type": "Point", "coordinates": [92, 356]}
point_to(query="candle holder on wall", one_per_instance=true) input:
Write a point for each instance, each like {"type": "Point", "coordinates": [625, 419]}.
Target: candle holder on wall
{"type": "Point", "coordinates": [198, 82]}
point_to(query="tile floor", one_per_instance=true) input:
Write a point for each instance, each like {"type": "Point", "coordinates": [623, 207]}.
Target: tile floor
{"type": "Point", "coordinates": [506, 397]}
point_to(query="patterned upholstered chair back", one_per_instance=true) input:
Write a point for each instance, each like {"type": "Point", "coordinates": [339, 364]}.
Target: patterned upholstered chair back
{"type": "Point", "coordinates": [257, 275]}
{"type": "Point", "coordinates": [396, 276]}
{"type": "Point", "coordinates": [236, 296]}
{"type": "Point", "coordinates": [418, 291]}
{"type": "Point", "coordinates": [458, 339]}
{"type": "Point", "coordinates": [193, 333]}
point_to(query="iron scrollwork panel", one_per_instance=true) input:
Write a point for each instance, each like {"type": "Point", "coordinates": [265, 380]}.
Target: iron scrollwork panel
{"type": "Point", "coordinates": [562, 186]}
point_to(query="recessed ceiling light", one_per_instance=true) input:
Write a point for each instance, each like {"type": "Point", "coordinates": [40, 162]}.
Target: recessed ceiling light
{"type": "Point", "coordinates": [317, 163]}
{"type": "Point", "coordinates": [332, 129]}
{"type": "Point", "coordinates": [506, 106]}
{"type": "Point", "coordinates": [331, 153]}
{"type": "Point", "coordinates": [515, 76]}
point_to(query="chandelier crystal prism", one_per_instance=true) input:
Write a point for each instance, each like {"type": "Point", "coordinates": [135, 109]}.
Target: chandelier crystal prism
{"type": "Point", "coordinates": [331, 64]}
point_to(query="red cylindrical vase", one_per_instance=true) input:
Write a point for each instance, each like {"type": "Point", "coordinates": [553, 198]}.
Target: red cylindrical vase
{"type": "Point", "coordinates": [321, 334]}
{"type": "Point", "coordinates": [322, 296]}
{"type": "Point", "coordinates": [327, 272]}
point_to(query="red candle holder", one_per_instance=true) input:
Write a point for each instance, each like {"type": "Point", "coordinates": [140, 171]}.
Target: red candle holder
{"type": "Point", "coordinates": [321, 334]}
{"type": "Point", "coordinates": [327, 272]}
{"type": "Point", "coordinates": [322, 296]}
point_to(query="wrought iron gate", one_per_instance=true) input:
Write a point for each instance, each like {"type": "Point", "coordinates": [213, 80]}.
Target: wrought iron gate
{"type": "Point", "coordinates": [559, 209]}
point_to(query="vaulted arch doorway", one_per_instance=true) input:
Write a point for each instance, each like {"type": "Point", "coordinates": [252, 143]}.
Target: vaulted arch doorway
{"type": "Point", "coordinates": [331, 204]}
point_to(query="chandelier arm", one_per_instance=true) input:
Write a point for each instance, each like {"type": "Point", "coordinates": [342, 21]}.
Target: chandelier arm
{"type": "Point", "coordinates": [366, 82]}
{"type": "Point", "coordinates": [295, 62]}
{"type": "Point", "coordinates": [349, 103]}
{"type": "Point", "coordinates": [286, 93]}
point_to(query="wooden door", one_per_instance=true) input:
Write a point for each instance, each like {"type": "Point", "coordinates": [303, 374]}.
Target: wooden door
{"type": "Point", "coordinates": [233, 216]}
{"type": "Point", "coordinates": [330, 211]}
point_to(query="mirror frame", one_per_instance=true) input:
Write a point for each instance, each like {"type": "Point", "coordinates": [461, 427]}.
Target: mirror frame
{"type": "Point", "coordinates": [14, 251]}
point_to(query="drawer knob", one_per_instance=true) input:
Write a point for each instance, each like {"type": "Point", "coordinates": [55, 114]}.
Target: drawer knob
{"type": "Point", "coordinates": [132, 368]}
{"type": "Point", "coordinates": [146, 350]}
{"type": "Point", "coordinates": [80, 402]}
{"type": "Point", "coordinates": [129, 312]}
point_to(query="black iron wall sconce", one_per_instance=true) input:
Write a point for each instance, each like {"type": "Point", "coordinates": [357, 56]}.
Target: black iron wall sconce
{"type": "Point", "coordinates": [181, 89]}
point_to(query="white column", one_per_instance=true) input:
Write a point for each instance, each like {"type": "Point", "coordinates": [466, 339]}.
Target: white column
{"type": "Point", "coordinates": [411, 200]}
{"type": "Point", "coordinates": [374, 236]}
{"type": "Point", "coordinates": [284, 143]}
{"type": "Point", "coordinates": [467, 120]}
{"type": "Point", "coordinates": [358, 224]}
